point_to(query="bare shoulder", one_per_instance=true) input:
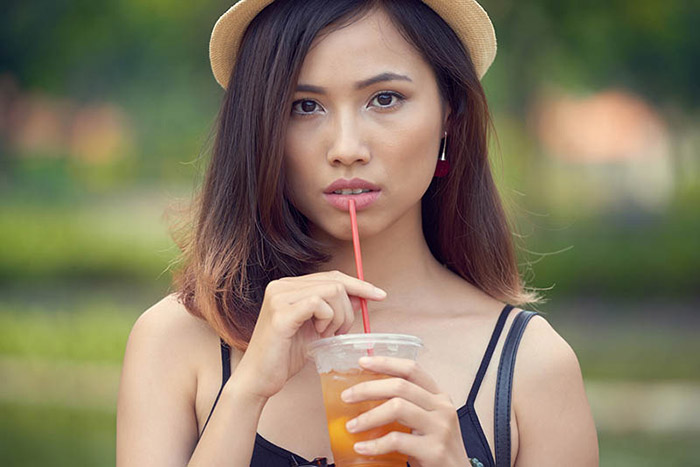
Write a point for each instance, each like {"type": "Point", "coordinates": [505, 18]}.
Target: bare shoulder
{"type": "Point", "coordinates": [554, 419]}
{"type": "Point", "coordinates": [168, 311]}
{"type": "Point", "coordinates": [169, 316]}
{"type": "Point", "coordinates": [169, 331]}
{"type": "Point", "coordinates": [543, 352]}
{"type": "Point", "coordinates": [155, 417]}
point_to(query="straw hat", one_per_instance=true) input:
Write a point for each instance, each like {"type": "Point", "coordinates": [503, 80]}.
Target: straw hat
{"type": "Point", "coordinates": [466, 17]}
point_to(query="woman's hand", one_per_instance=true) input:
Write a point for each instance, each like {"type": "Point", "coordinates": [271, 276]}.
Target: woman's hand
{"type": "Point", "coordinates": [296, 311]}
{"type": "Point", "coordinates": [414, 400]}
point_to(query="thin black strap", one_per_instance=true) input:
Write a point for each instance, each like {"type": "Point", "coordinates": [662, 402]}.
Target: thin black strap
{"type": "Point", "coordinates": [504, 386]}
{"type": "Point", "coordinates": [225, 362]}
{"type": "Point", "coordinates": [225, 375]}
{"type": "Point", "coordinates": [487, 355]}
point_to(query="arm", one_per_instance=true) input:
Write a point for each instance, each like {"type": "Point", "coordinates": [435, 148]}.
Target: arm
{"type": "Point", "coordinates": [156, 423]}
{"type": "Point", "coordinates": [555, 424]}
{"type": "Point", "coordinates": [228, 439]}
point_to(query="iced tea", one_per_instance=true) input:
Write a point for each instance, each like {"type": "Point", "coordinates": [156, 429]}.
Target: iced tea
{"type": "Point", "coordinates": [338, 413]}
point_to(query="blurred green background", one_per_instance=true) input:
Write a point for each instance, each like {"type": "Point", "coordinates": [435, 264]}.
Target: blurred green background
{"type": "Point", "coordinates": [106, 110]}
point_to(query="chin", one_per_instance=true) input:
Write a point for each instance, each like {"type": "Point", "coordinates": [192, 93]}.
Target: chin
{"type": "Point", "coordinates": [366, 231]}
{"type": "Point", "coordinates": [329, 223]}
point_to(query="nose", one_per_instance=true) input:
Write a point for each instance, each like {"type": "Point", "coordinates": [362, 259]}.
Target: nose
{"type": "Point", "coordinates": [347, 144]}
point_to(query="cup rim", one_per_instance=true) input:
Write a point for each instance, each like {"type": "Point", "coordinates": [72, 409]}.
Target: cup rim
{"type": "Point", "coordinates": [360, 338]}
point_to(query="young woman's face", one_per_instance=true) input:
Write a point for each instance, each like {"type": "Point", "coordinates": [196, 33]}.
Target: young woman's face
{"type": "Point", "coordinates": [386, 131]}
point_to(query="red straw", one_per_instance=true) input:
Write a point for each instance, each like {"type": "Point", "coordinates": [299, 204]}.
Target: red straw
{"type": "Point", "coordinates": [358, 261]}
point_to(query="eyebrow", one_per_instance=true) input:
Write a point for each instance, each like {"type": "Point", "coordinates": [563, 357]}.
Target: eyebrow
{"type": "Point", "coordinates": [387, 76]}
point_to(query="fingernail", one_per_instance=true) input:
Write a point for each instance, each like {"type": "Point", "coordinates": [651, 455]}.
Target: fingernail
{"type": "Point", "coordinates": [351, 425]}
{"type": "Point", "coordinates": [361, 447]}
{"type": "Point", "coordinates": [345, 395]}
{"type": "Point", "coordinates": [365, 360]}
{"type": "Point", "coordinates": [379, 292]}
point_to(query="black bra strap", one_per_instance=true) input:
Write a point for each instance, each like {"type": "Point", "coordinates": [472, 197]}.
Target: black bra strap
{"type": "Point", "coordinates": [225, 375]}
{"type": "Point", "coordinates": [487, 355]}
{"type": "Point", "coordinates": [504, 387]}
{"type": "Point", "coordinates": [225, 362]}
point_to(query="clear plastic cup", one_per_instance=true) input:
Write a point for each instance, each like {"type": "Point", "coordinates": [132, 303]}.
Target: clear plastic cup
{"type": "Point", "coordinates": [336, 361]}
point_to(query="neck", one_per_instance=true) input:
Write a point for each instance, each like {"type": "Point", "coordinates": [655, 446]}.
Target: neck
{"type": "Point", "coordinates": [397, 260]}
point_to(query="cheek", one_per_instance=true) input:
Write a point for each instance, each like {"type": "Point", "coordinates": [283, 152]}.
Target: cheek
{"type": "Point", "coordinates": [415, 149]}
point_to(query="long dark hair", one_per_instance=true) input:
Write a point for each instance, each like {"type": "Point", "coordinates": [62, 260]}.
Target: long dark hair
{"type": "Point", "coordinates": [245, 233]}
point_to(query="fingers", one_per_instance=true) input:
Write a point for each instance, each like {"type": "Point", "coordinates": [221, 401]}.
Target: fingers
{"type": "Point", "coordinates": [411, 445]}
{"type": "Point", "coordinates": [353, 285]}
{"type": "Point", "coordinates": [338, 290]}
{"type": "Point", "coordinates": [402, 368]}
{"type": "Point", "coordinates": [382, 389]}
{"type": "Point", "coordinates": [327, 304]}
{"type": "Point", "coordinates": [329, 298]}
{"type": "Point", "coordinates": [349, 315]}
{"type": "Point", "coordinates": [395, 409]}
{"type": "Point", "coordinates": [312, 307]}
{"type": "Point", "coordinates": [333, 293]}
{"type": "Point", "coordinates": [343, 317]}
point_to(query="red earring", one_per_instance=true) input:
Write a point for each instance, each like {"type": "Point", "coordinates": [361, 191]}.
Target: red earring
{"type": "Point", "coordinates": [443, 165]}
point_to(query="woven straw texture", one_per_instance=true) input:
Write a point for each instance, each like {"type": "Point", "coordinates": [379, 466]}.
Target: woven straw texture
{"type": "Point", "coordinates": [466, 17]}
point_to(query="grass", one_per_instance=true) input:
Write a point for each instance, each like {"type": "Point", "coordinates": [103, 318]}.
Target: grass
{"type": "Point", "coordinates": [621, 257]}
{"type": "Point", "coordinates": [640, 357]}
{"type": "Point", "coordinates": [58, 303]}
{"type": "Point", "coordinates": [119, 238]}
{"type": "Point", "coordinates": [642, 343]}
{"type": "Point", "coordinates": [123, 237]}
{"type": "Point", "coordinates": [648, 450]}
{"type": "Point", "coordinates": [92, 325]}
{"type": "Point", "coordinates": [44, 435]}
{"type": "Point", "coordinates": [92, 329]}
{"type": "Point", "coordinates": [84, 335]}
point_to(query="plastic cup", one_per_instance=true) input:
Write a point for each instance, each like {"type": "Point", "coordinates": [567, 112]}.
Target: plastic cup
{"type": "Point", "coordinates": [336, 361]}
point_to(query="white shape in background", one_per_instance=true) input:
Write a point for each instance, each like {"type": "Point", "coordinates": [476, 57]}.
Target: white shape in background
{"type": "Point", "coordinates": [611, 149]}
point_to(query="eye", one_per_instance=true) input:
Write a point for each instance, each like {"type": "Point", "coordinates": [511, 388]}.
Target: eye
{"type": "Point", "coordinates": [304, 106]}
{"type": "Point", "coordinates": [384, 99]}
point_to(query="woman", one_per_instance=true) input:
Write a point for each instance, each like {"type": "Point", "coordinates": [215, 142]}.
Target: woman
{"type": "Point", "coordinates": [325, 95]}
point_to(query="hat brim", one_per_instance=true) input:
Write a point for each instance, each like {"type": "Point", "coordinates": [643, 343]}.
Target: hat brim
{"type": "Point", "coordinates": [466, 17]}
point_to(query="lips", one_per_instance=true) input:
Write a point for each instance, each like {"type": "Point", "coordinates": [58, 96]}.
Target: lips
{"type": "Point", "coordinates": [362, 200]}
{"type": "Point", "coordinates": [353, 184]}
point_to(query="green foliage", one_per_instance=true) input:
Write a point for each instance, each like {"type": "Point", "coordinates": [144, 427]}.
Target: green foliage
{"type": "Point", "coordinates": [648, 46]}
{"type": "Point", "coordinates": [31, 436]}
{"type": "Point", "coordinates": [650, 450]}
{"type": "Point", "coordinates": [90, 332]}
{"type": "Point", "coordinates": [93, 326]}
{"type": "Point", "coordinates": [647, 256]}
{"type": "Point", "coordinates": [616, 349]}
{"type": "Point", "coordinates": [90, 49]}
{"type": "Point", "coordinates": [89, 242]}
{"type": "Point", "coordinates": [69, 228]}
{"type": "Point", "coordinates": [56, 436]}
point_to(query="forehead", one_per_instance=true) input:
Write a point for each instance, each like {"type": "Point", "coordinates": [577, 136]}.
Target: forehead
{"type": "Point", "coordinates": [367, 46]}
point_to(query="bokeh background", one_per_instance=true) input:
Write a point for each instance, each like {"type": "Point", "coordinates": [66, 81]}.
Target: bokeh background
{"type": "Point", "coordinates": [106, 110]}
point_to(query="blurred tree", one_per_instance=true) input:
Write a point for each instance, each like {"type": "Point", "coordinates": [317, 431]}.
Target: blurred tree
{"type": "Point", "coordinates": [93, 49]}
{"type": "Point", "coordinates": [647, 46]}
{"type": "Point", "coordinates": [86, 48]}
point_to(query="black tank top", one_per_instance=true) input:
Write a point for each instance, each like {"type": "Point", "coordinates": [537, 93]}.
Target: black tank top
{"type": "Point", "coordinates": [267, 454]}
